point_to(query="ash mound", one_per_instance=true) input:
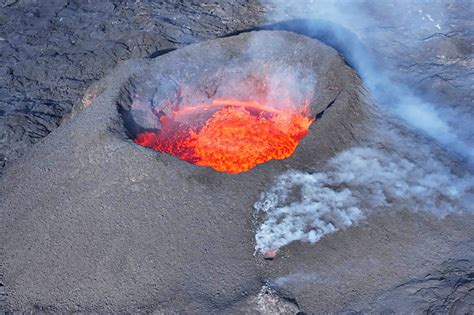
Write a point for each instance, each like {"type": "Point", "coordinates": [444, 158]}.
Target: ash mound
{"type": "Point", "coordinates": [96, 222]}
{"type": "Point", "coordinates": [109, 221]}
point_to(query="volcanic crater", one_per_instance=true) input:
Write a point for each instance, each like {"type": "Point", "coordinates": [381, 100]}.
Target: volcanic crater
{"type": "Point", "coordinates": [144, 200]}
{"type": "Point", "coordinates": [231, 119]}
{"type": "Point", "coordinates": [179, 208]}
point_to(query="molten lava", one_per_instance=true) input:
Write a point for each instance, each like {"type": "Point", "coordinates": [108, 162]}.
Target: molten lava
{"type": "Point", "coordinates": [227, 135]}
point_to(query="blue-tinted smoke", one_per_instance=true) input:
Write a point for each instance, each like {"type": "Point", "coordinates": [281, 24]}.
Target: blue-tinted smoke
{"type": "Point", "coordinates": [342, 25]}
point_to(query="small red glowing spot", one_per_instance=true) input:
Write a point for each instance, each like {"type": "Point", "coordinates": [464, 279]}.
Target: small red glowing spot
{"type": "Point", "coordinates": [270, 254]}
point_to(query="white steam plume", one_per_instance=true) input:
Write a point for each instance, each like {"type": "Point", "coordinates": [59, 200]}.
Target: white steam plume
{"type": "Point", "coordinates": [306, 206]}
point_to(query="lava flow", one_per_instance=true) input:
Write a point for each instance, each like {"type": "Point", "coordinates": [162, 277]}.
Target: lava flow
{"type": "Point", "coordinates": [227, 135]}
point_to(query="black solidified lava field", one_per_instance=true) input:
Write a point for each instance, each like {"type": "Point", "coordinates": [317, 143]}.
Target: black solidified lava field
{"type": "Point", "coordinates": [372, 213]}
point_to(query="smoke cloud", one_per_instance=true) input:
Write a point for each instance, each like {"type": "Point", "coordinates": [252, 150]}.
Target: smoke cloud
{"type": "Point", "coordinates": [307, 206]}
{"type": "Point", "coordinates": [299, 278]}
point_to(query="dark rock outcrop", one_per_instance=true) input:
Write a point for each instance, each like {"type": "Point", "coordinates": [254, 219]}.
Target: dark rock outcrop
{"type": "Point", "coordinates": [448, 289]}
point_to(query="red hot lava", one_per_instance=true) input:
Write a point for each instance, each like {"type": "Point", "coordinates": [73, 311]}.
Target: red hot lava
{"type": "Point", "coordinates": [229, 135]}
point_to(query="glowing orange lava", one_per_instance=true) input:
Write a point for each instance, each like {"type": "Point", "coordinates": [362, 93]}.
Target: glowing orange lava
{"type": "Point", "coordinates": [233, 135]}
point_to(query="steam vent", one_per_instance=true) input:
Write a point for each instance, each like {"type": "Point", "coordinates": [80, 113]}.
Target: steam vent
{"type": "Point", "coordinates": [144, 200]}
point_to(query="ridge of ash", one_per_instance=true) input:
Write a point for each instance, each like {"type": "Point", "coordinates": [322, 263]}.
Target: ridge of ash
{"type": "Point", "coordinates": [321, 113]}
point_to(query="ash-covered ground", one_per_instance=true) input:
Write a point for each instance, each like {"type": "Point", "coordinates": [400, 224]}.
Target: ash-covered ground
{"type": "Point", "coordinates": [51, 52]}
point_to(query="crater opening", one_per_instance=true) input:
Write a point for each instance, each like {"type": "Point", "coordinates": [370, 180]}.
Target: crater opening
{"type": "Point", "coordinates": [231, 121]}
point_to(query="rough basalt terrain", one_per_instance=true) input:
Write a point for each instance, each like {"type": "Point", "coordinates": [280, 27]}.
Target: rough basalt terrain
{"type": "Point", "coordinates": [448, 289]}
